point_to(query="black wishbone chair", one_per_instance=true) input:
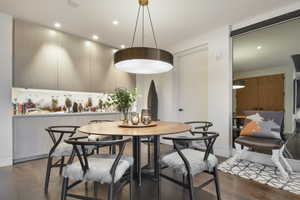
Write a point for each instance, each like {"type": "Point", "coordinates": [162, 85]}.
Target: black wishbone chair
{"type": "Point", "coordinates": [92, 137]}
{"type": "Point", "coordinates": [59, 149]}
{"type": "Point", "coordinates": [191, 162]}
{"type": "Point", "coordinates": [197, 126]}
{"type": "Point", "coordinates": [101, 168]}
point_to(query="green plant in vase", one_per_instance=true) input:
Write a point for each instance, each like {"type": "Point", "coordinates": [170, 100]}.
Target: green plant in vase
{"type": "Point", "coordinates": [123, 99]}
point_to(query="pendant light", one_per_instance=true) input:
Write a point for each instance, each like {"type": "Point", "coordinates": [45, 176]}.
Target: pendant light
{"type": "Point", "coordinates": [238, 84]}
{"type": "Point", "coordinates": [143, 60]}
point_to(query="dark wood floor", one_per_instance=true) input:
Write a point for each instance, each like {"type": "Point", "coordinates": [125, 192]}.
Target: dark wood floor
{"type": "Point", "coordinates": [25, 182]}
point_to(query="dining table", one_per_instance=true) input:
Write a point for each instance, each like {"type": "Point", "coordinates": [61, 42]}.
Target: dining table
{"type": "Point", "coordinates": [155, 130]}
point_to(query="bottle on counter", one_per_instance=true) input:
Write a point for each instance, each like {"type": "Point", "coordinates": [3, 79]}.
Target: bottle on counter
{"type": "Point", "coordinates": [75, 107]}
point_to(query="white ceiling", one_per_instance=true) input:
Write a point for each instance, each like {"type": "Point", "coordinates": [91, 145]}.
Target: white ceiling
{"type": "Point", "coordinates": [174, 20]}
{"type": "Point", "coordinates": [277, 44]}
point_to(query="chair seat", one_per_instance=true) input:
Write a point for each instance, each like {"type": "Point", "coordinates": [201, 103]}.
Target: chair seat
{"type": "Point", "coordinates": [194, 157]}
{"type": "Point", "coordinates": [64, 149]}
{"type": "Point", "coordinates": [258, 142]}
{"type": "Point", "coordinates": [99, 169]}
{"type": "Point", "coordinates": [98, 137]}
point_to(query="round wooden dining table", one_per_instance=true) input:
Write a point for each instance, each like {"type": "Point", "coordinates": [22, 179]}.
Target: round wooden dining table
{"type": "Point", "coordinates": [161, 128]}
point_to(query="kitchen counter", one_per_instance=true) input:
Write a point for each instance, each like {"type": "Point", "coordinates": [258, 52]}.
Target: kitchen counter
{"type": "Point", "coordinates": [60, 114]}
{"type": "Point", "coordinates": [31, 140]}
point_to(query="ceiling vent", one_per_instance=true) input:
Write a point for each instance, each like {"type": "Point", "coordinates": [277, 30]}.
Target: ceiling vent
{"type": "Point", "coordinates": [74, 3]}
{"type": "Point", "coordinates": [296, 59]}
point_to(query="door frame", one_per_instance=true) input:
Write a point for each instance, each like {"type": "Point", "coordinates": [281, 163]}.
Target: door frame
{"type": "Point", "coordinates": [176, 74]}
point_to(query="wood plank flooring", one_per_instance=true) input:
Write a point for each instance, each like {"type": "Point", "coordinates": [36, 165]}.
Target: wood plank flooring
{"type": "Point", "coordinates": [25, 182]}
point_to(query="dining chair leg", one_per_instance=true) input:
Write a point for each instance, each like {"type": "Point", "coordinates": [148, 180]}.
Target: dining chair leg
{"type": "Point", "coordinates": [130, 183]}
{"type": "Point", "coordinates": [64, 188]}
{"type": "Point", "coordinates": [191, 187]}
{"type": "Point", "coordinates": [48, 172]}
{"type": "Point", "coordinates": [110, 191]}
{"type": "Point", "coordinates": [61, 165]}
{"type": "Point", "coordinates": [217, 185]}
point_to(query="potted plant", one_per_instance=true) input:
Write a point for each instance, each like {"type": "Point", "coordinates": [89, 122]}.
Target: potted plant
{"type": "Point", "coordinates": [123, 99]}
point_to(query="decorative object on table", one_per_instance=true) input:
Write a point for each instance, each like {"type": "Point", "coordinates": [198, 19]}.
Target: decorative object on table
{"type": "Point", "coordinates": [68, 103]}
{"type": "Point", "coordinates": [143, 60]}
{"type": "Point", "coordinates": [139, 125]}
{"type": "Point", "coordinates": [123, 99]}
{"type": "Point", "coordinates": [135, 118]}
{"type": "Point", "coordinates": [146, 116]}
{"type": "Point", "coordinates": [153, 101]}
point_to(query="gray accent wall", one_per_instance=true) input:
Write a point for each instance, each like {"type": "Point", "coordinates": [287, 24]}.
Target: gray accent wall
{"type": "Point", "coordinates": [49, 59]}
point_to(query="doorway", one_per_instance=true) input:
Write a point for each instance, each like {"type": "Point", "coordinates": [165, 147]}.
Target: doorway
{"type": "Point", "coordinates": [193, 85]}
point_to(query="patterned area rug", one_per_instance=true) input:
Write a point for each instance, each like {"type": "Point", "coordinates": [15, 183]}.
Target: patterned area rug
{"type": "Point", "coordinates": [261, 173]}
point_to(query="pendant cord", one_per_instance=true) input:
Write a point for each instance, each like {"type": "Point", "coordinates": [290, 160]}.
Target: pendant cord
{"type": "Point", "coordinates": [143, 27]}
{"type": "Point", "coordinates": [136, 24]}
{"type": "Point", "coordinates": [152, 27]}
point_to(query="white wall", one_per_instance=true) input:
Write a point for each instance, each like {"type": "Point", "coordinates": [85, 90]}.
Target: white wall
{"type": "Point", "coordinates": [219, 85]}
{"type": "Point", "coordinates": [164, 86]}
{"type": "Point", "coordinates": [219, 76]}
{"type": "Point", "coordinates": [5, 88]}
{"type": "Point", "coordinates": [267, 15]}
{"type": "Point", "coordinates": [289, 72]}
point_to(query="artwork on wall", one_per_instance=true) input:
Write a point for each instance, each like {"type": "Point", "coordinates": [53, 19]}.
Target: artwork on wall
{"type": "Point", "coordinates": [153, 101]}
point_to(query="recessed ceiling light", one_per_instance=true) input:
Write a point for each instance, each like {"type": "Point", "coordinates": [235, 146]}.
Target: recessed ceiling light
{"type": "Point", "coordinates": [258, 47]}
{"type": "Point", "coordinates": [115, 22]}
{"type": "Point", "coordinates": [122, 46]}
{"type": "Point", "coordinates": [95, 37]}
{"type": "Point", "coordinates": [57, 25]}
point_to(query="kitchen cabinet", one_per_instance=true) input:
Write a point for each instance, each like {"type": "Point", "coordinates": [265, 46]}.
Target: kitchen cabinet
{"type": "Point", "coordinates": [102, 70]}
{"type": "Point", "coordinates": [35, 56]}
{"type": "Point", "coordinates": [49, 59]}
{"type": "Point", "coordinates": [74, 64]}
{"type": "Point", "coordinates": [261, 93]}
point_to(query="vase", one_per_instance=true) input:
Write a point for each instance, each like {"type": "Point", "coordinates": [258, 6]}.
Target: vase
{"type": "Point", "coordinates": [125, 115]}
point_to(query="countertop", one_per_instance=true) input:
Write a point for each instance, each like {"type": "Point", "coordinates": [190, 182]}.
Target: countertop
{"type": "Point", "coordinates": [64, 114]}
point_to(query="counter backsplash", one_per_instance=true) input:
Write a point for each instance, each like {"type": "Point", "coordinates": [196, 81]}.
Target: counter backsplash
{"type": "Point", "coordinates": [34, 101]}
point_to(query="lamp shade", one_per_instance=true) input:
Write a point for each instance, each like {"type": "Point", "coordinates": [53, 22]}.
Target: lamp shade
{"type": "Point", "coordinates": [143, 60]}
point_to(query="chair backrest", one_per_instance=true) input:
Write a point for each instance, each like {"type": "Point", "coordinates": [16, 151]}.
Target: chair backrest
{"type": "Point", "coordinates": [204, 125]}
{"type": "Point", "coordinates": [80, 149]}
{"type": "Point", "coordinates": [275, 116]}
{"type": "Point", "coordinates": [208, 137]}
{"type": "Point", "coordinates": [57, 133]}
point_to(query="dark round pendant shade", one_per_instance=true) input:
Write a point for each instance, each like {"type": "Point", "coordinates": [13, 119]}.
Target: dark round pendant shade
{"type": "Point", "coordinates": [143, 60]}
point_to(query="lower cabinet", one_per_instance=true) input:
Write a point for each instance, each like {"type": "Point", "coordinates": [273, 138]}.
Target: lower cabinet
{"type": "Point", "coordinates": [31, 141]}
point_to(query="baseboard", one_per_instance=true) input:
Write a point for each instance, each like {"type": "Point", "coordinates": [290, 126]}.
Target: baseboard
{"type": "Point", "coordinates": [20, 160]}
{"type": "Point", "coordinates": [6, 162]}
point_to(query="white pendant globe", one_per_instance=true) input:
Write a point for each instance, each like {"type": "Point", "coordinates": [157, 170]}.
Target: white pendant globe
{"type": "Point", "coordinates": [143, 60]}
{"type": "Point", "coordinates": [143, 66]}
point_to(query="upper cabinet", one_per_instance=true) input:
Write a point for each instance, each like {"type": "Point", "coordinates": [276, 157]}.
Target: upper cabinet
{"type": "Point", "coordinates": [74, 64]}
{"type": "Point", "coordinates": [49, 59]}
{"type": "Point", "coordinates": [102, 69]}
{"type": "Point", "coordinates": [36, 53]}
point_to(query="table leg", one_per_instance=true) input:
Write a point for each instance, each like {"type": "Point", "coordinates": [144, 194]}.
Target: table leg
{"type": "Point", "coordinates": [136, 149]}
{"type": "Point", "coordinates": [156, 157]}
{"type": "Point", "coordinates": [157, 165]}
